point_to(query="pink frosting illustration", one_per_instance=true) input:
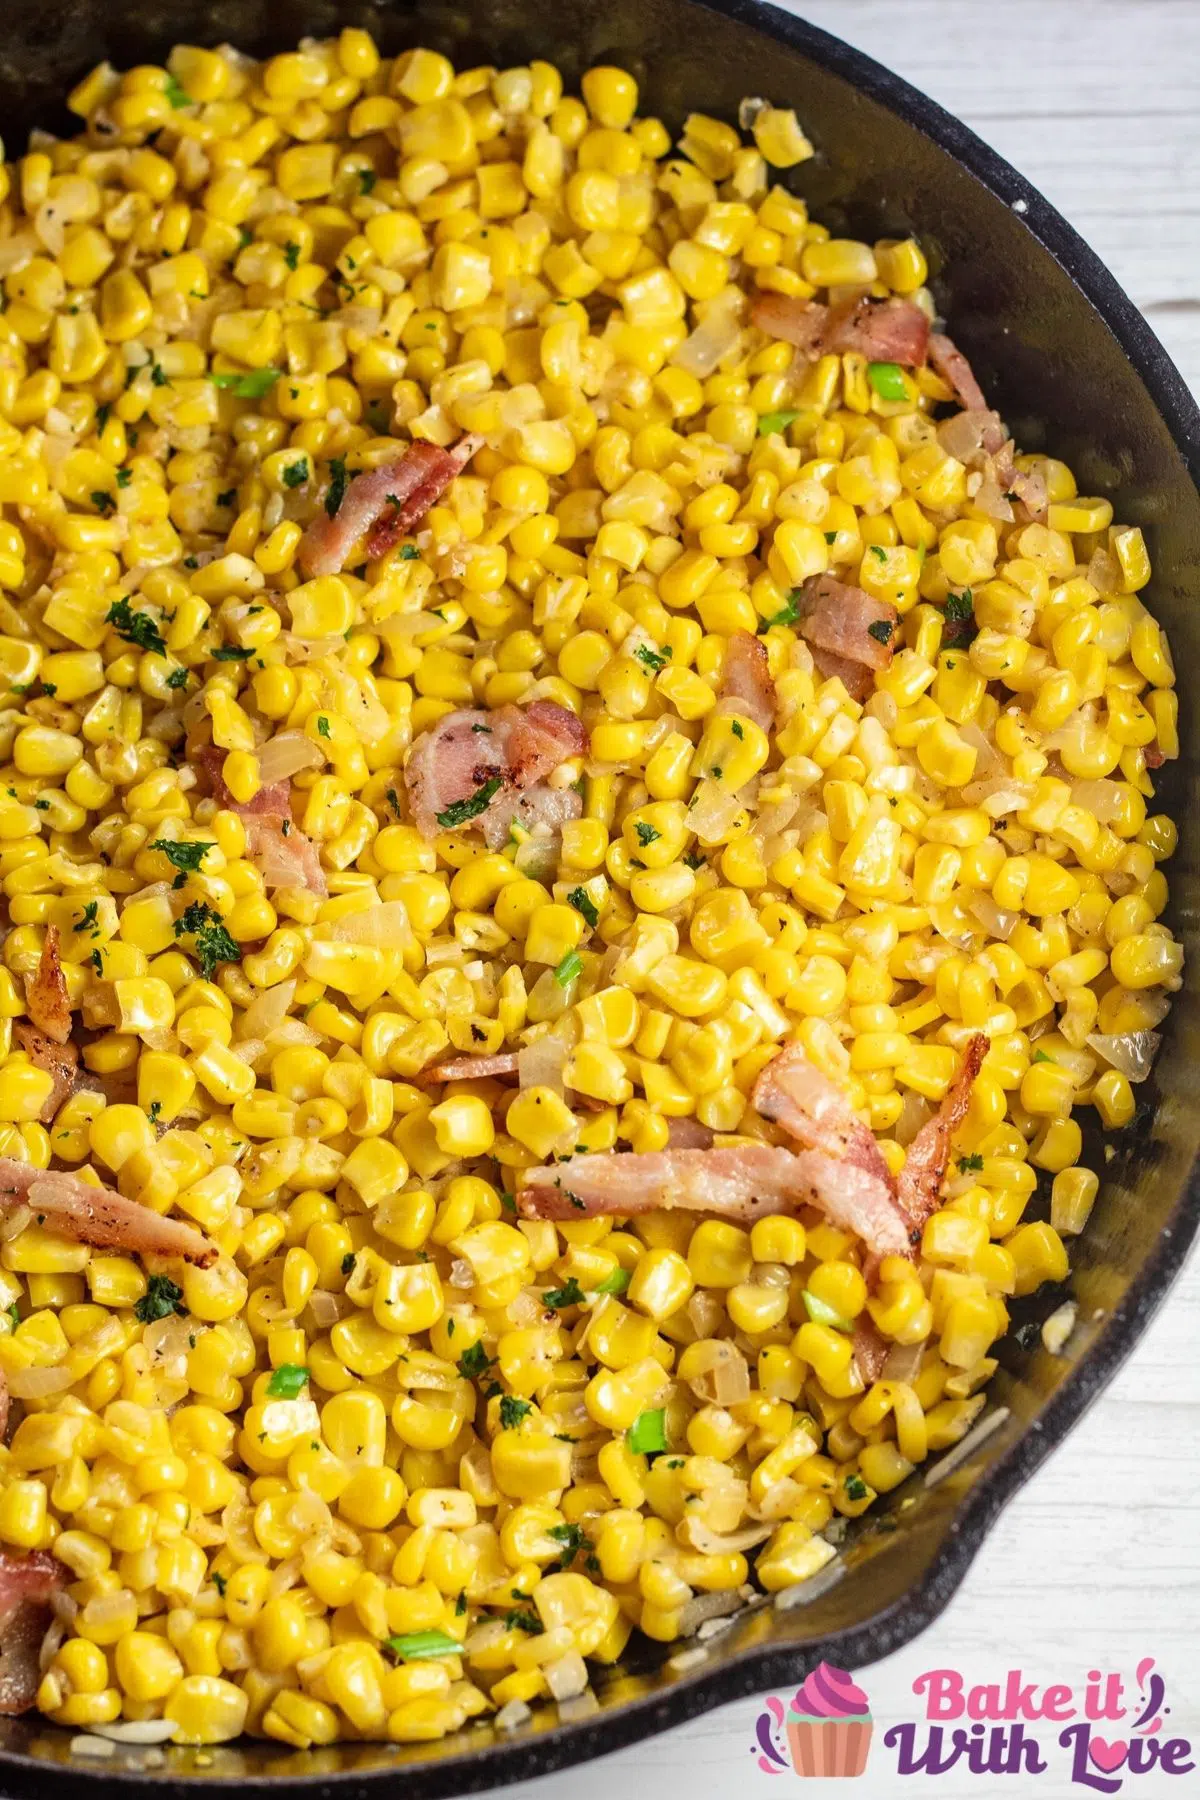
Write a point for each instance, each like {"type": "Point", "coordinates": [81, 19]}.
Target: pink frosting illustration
{"type": "Point", "coordinates": [829, 1693]}
{"type": "Point", "coordinates": [829, 1724]}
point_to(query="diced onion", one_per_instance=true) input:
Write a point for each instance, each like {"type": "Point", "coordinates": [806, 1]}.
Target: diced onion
{"type": "Point", "coordinates": [266, 1010]}
{"type": "Point", "coordinates": [286, 755]}
{"type": "Point", "coordinates": [723, 1377]}
{"type": "Point", "coordinates": [1102, 799]}
{"type": "Point", "coordinates": [999, 920]}
{"type": "Point", "coordinates": [38, 1384]}
{"type": "Point", "coordinates": [712, 812]}
{"type": "Point", "coordinates": [566, 1676]}
{"type": "Point", "coordinates": [541, 1063]}
{"type": "Point", "coordinates": [1133, 1052]}
{"type": "Point", "coordinates": [386, 927]}
{"type": "Point", "coordinates": [712, 340]}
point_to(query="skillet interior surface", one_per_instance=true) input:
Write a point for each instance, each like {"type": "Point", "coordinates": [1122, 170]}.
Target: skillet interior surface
{"type": "Point", "coordinates": [1076, 371]}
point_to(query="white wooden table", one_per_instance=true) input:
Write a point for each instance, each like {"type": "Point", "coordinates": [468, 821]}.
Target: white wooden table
{"type": "Point", "coordinates": [1097, 1561]}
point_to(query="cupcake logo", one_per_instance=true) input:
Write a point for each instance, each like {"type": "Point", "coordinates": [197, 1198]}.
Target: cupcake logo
{"type": "Point", "coordinates": [826, 1727]}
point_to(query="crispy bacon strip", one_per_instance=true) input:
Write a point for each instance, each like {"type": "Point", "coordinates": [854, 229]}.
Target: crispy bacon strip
{"type": "Point", "coordinates": [743, 1182]}
{"type": "Point", "coordinates": [954, 369]}
{"type": "Point", "coordinates": [844, 624]}
{"type": "Point", "coordinates": [487, 764]}
{"type": "Point", "coordinates": [46, 994]}
{"type": "Point", "coordinates": [746, 685]}
{"type": "Point", "coordinates": [59, 1060]}
{"type": "Point", "coordinates": [98, 1215]}
{"type": "Point", "coordinates": [27, 1585]}
{"type": "Point", "coordinates": [792, 1092]}
{"type": "Point", "coordinates": [283, 857]}
{"type": "Point", "coordinates": [382, 505]}
{"type": "Point", "coordinates": [688, 1134]}
{"type": "Point", "coordinates": [870, 1348]}
{"type": "Point", "coordinates": [919, 1186]}
{"type": "Point", "coordinates": [881, 330]}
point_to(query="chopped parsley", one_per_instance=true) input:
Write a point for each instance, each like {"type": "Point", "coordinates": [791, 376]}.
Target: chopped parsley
{"type": "Point", "coordinates": [337, 485]}
{"type": "Point", "coordinates": [735, 725]}
{"type": "Point", "coordinates": [135, 627]}
{"type": "Point", "coordinates": [161, 1298]}
{"type": "Point", "coordinates": [585, 906]}
{"type": "Point", "coordinates": [178, 678]}
{"type": "Point", "coordinates": [693, 860]}
{"type": "Point", "coordinates": [856, 1488]}
{"type": "Point", "coordinates": [512, 1411]}
{"type": "Point", "coordinates": [102, 417]}
{"type": "Point", "coordinates": [573, 1539]}
{"type": "Point", "coordinates": [322, 726]}
{"type": "Point", "coordinates": [220, 1582]}
{"type": "Point", "coordinates": [508, 1203]}
{"type": "Point", "coordinates": [461, 812]}
{"type": "Point", "coordinates": [287, 1380]}
{"type": "Point", "coordinates": [570, 966]}
{"type": "Point", "coordinates": [524, 1621]}
{"type": "Point", "coordinates": [776, 421]}
{"type": "Point", "coordinates": [158, 376]}
{"type": "Point", "coordinates": [177, 95]}
{"type": "Point", "coordinates": [654, 660]}
{"type": "Point", "coordinates": [878, 550]}
{"type": "Point", "coordinates": [409, 553]}
{"type": "Point", "coordinates": [960, 615]}
{"type": "Point", "coordinates": [124, 477]}
{"type": "Point", "coordinates": [970, 1165]}
{"type": "Point", "coordinates": [296, 474]}
{"type": "Point", "coordinates": [881, 630]}
{"type": "Point", "coordinates": [250, 386]}
{"type": "Point", "coordinates": [831, 537]}
{"type": "Point", "coordinates": [648, 1435]}
{"type": "Point", "coordinates": [231, 653]}
{"type": "Point", "coordinates": [291, 255]}
{"type": "Point", "coordinates": [366, 180]}
{"type": "Point", "coordinates": [571, 1294]}
{"type": "Point", "coordinates": [14, 1314]}
{"type": "Point", "coordinates": [155, 1111]}
{"type": "Point", "coordinates": [474, 1361]}
{"type": "Point", "coordinates": [787, 615]}
{"type": "Point", "coordinates": [185, 856]}
{"type": "Point", "coordinates": [89, 920]}
{"type": "Point", "coordinates": [888, 380]}
{"type": "Point", "coordinates": [213, 942]}
{"type": "Point", "coordinates": [348, 1262]}
{"type": "Point", "coordinates": [1040, 1056]}
{"type": "Point", "coordinates": [646, 834]}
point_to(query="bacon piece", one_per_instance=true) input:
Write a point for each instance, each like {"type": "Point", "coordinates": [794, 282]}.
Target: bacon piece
{"type": "Point", "coordinates": [919, 1186]}
{"type": "Point", "coordinates": [98, 1215]}
{"type": "Point", "coordinates": [855, 677]}
{"type": "Point", "coordinates": [688, 1134]}
{"type": "Point", "coordinates": [46, 994]}
{"type": "Point", "coordinates": [513, 748]}
{"type": "Point", "coordinates": [881, 330]}
{"type": "Point", "coordinates": [792, 1092]}
{"type": "Point", "coordinates": [283, 857]}
{"type": "Point", "coordinates": [954, 369]}
{"type": "Point", "coordinates": [473, 1068]}
{"type": "Point", "coordinates": [59, 1060]}
{"type": "Point", "coordinates": [870, 1347]}
{"type": "Point", "coordinates": [537, 807]}
{"type": "Point", "coordinates": [743, 1182]}
{"type": "Point", "coordinates": [746, 685]}
{"type": "Point", "coordinates": [972, 436]}
{"type": "Point", "coordinates": [839, 620]}
{"type": "Point", "coordinates": [27, 1586]}
{"type": "Point", "coordinates": [1153, 756]}
{"type": "Point", "coordinates": [1029, 486]}
{"type": "Point", "coordinates": [382, 505]}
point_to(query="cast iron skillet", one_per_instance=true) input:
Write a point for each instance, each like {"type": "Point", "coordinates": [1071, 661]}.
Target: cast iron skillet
{"type": "Point", "coordinates": [1074, 368]}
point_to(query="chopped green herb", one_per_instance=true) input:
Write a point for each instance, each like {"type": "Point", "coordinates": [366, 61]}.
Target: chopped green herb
{"type": "Point", "coordinates": [186, 856]}
{"type": "Point", "coordinates": [856, 1488]}
{"type": "Point", "coordinates": [124, 477]}
{"type": "Point", "coordinates": [1040, 1056]}
{"type": "Point", "coordinates": [97, 962]}
{"type": "Point", "coordinates": [879, 551]}
{"type": "Point", "coordinates": [616, 1283]}
{"type": "Point", "coordinates": [474, 1362]}
{"type": "Point", "coordinates": [228, 497]}
{"type": "Point", "coordinates": [250, 386]}
{"type": "Point", "coordinates": [512, 1411]}
{"type": "Point", "coordinates": [287, 1380]}
{"type": "Point", "coordinates": [417, 1644]}
{"type": "Point", "coordinates": [337, 484]}
{"type": "Point", "coordinates": [821, 1313]}
{"type": "Point", "coordinates": [585, 906]}
{"type": "Point", "coordinates": [366, 180]}
{"type": "Point", "coordinates": [88, 921]}
{"type": "Point", "coordinates": [102, 417]}
{"type": "Point", "coordinates": [735, 725]}
{"type": "Point", "coordinates": [646, 834]}
{"type": "Point", "coordinates": [296, 474]}
{"type": "Point", "coordinates": [409, 553]}
{"type": "Point", "coordinates": [463, 811]}
{"type": "Point", "coordinates": [460, 1605]}
{"type": "Point", "coordinates": [970, 1165]}
{"type": "Point", "coordinates": [178, 678]}
{"type": "Point", "coordinates": [231, 653]}
{"type": "Point", "coordinates": [693, 860]}
{"type": "Point", "coordinates": [135, 627]}
{"type": "Point", "coordinates": [158, 375]}
{"type": "Point", "coordinates": [831, 537]}
{"type": "Point", "coordinates": [524, 1621]}
{"type": "Point", "coordinates": [647, 1435]}
{"type": "Point", "coordinates": [888, 380]}
{"type": "Point", "coordinates": [653, 659]}
{"type": "Point", "coordinates": [291, 255]}
{"type": "Point", "coordinates": [49, 689]}
{"type": "Point", "coordinates": [213, 942]}
{"type": "Point", "coordinates": [348, 1262]}
{"type": "Point", "coordinates": [881, 630]}
{"type": "Point", "coordinates": [571, 1294]}
{"type": "Point", "coordinates": [960, 616]}
{"type": "Point", "coordinates": [14, 1315]}
{"type": "Point", "coordinates": [161, 1298]}
{"type": "Point", "coordinates": [322, 726]}
{"type": "Point", "coordinates": [570, 966]}
{"type": "Point", "coordinates": [176, 95]}
{"type": "Point", "coordinates": [220, 1582]}
{"type": "Point", "coordinates": [776, 421]}
{"type": "Point", "coordinates": [787, 615]}
{"type": "Point", "coordinates": [508, 1203]}
{"type": "Point", "coordinates": [573, 1538]}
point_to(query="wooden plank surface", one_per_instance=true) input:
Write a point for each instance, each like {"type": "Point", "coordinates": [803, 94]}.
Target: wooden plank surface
{"type": "Point", "coordinates": [1097, 1561]}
